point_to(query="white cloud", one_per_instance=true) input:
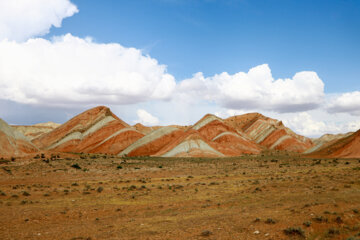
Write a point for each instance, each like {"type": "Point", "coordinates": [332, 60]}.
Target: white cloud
{"type": "Point", "coordinates": [229, 113]}
{"type": "Point", "coordinates": [22, 19]}
{"type": "Point", "coordinates": [257, 89]}
{"type": "Point", "coordinates": [346, 102]}
{"type": "Point", "coordinates": [70, 70]}
{"type": "Point", "coordinates": [305, 124]}
{"type": "Point", "coordinates": [146, 118]}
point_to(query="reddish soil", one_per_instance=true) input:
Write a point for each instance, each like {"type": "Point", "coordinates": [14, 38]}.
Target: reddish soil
{"type": "Point", "coordinates": [105, 197]}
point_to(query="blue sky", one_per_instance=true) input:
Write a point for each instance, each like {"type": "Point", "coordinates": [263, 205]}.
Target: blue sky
{"type": "Point", "coordinates": [172, 61]}
{"type": "Point", "coordinates": [214, 36]}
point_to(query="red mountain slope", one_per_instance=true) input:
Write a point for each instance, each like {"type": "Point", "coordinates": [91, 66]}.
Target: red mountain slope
{"type": "Point", "coordinates": [13, 143]}
{"type": "Point", "coordinates": [94, 131]}
{"type": "Point", "coordinates": [269, 132]}
{"type": "Point", "coordinates": [346, 147]}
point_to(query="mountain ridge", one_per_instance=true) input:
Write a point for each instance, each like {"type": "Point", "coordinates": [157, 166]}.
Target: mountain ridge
{"type": "Point", "coordinates": [99, 130]}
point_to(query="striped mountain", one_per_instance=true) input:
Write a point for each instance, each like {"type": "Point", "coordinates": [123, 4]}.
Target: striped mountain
{"type": "Point", "coordinates": [337, 146]}
{"type": "Point", "coordinates": [269, 133]}
{"type": "Point", "coordinates": [98, 130]}
{"type": "Point", "coordinates": [13, 142]}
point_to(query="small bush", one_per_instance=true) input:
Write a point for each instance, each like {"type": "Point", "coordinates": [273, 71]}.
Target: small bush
{"type": "Point", "coordinates": [339, 220]}
{"type": "Point", "coordinates": [333, 231]}
{"type": "Point", "coordinates": [76, 166]}
{"type": "Point", "coordinates": [100, 189]}
{"type": "Point", "coordinates": [307, 223]}
{"type": "Point", "coordinates": [294, 231]}
{"type": "Point", "coordinates": [320, 219]}
{"type": "Point", "coordinates": [119, 167]}
{"type": "Point", "coordinates": [26, 194]}
{"type": "Point", "coordinates": [270, 221]}
{"type": "Point", "coordinates": [257, 220]}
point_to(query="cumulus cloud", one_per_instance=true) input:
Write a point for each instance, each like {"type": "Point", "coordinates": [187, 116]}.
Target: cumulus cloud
{"type": "Point", "coordinates": [70, 70]}
{"type": "Point", "coordinates": [304, 124]}
{"type": "Point", "coordinates": [22, 19]}
{"type": "Point", "coordinates": [146, 118]}
{"type": "Point", "coordinates": [257, 89]}
{"type": "Point", "coordinates": [346, 103]}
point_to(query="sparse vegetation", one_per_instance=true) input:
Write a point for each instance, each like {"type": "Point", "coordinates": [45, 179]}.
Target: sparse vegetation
{"type": "Point", "coordinates": [76, 166]}
{"type": "Point", "coordinates": [333, 231]}
{"type": "Point", "coordinates": [320, 219]}
{"type": "Point", "coordinates": [307, 223]}
{"type": "Point", "coordinates": [270, 221]}
{"type": "Point", "coordinates": [294, 231]}
{"type": "Point", "coordinates": [26, 194]}
{"type": "Point", "coordinates": [188, 189]}
{"type": "Point", "coordinates": [100, 189]}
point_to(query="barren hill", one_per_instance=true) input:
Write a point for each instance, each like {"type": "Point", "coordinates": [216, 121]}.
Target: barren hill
{"type": "Point", "coordinates": [209, 137]}
{"type": "Point", "coordinates": [270, 133]}
{"type": "Point", "coordinates": [13, 142]}
{"type": "Point", "coordinates": [342, 146]}
{"type": "Point", "coordinates": [326, 140]}
{"type": "Point", "coordinates": [95, 130]}
{"type": "Point", "coordinates": [34, 131]}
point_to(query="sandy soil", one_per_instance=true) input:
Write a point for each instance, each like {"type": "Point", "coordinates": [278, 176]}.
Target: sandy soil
{"type": "Point", "coordinates": [107, 197]}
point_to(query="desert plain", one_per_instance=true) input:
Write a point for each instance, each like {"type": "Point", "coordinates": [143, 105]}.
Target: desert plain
{"type": "Point", "coordinates": [98, 196]}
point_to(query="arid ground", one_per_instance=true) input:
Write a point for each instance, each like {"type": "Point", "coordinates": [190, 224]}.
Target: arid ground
{"type": "Point", "coordinates": [84, 196]}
